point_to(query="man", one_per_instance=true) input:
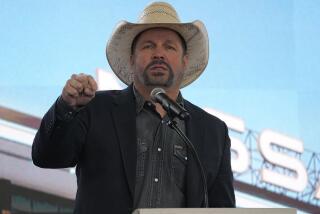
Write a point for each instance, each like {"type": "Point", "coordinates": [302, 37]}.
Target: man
{"type": "Point", "coordinates": [126, 157]}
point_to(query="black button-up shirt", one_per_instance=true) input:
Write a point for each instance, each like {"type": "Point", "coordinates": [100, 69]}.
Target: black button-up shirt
{"type": "Point", "coordinates": [161, 159]}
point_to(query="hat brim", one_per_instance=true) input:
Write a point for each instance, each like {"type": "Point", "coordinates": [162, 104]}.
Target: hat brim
{"type": "Point", "coordinates": [118, 48]}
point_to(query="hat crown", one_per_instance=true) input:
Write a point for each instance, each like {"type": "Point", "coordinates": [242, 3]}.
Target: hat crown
{"type": "Point", "coordinates": [159, 12]}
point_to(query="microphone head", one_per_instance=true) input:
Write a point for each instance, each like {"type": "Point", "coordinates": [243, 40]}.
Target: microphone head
{"type": "Point", "coordinates": [155, 92]}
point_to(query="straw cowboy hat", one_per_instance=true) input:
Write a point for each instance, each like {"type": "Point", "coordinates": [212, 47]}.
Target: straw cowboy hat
{"type": "Point", "coordinates": [158, 14]}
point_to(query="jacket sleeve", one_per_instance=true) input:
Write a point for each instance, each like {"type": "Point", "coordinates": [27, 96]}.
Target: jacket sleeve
{"type": "Point", "coordinates": [221, 194]}
{"type": "Point", "coordinates": [58, 143]}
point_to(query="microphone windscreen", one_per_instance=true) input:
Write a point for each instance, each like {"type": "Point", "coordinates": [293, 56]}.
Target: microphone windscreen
{"type": "Point", "coordinates": [154, 93]}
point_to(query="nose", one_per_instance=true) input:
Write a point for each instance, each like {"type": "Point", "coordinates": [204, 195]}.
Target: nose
{"type": "Point", "coordinates": [158, 54]}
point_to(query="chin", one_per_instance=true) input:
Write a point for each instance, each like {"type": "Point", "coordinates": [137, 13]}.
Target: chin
{"type": "Point", "coordinates": [162, 83]}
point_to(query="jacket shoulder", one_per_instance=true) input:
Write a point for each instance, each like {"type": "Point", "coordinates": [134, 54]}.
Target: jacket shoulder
{"type": "Point", "coordinates": [108, 93]}
{"type": "Point", "coordinates": [202, 114]}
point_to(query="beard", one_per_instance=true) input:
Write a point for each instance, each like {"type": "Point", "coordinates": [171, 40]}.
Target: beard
{"type": "Point", "coordinates": [158, 79]}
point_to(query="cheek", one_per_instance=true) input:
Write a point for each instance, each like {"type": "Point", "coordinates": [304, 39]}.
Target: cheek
{"type": "Point", "coordinates": [139, 65]}
{"type": "Point", "coordinates": [178, 64]}
{"type": "Point", "coordinates": [140, 61]}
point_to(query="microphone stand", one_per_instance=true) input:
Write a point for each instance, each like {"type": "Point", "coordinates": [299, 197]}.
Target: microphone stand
{"type": "Point", "coordinates": [173, 124]}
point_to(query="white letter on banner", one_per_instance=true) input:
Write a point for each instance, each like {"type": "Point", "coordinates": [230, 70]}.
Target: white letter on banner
{"type": "Point", "coordinates": [295, 183]}
{"type": "Point", "coordinates": [317, 193]}
{"type": "Point", "coordinates": [241, 162]}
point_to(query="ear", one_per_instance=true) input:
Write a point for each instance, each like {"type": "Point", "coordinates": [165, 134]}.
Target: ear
{"type": "Point", "coordinates": [131, 60]}
{"type": "Point", "coordinates": [185, 60]}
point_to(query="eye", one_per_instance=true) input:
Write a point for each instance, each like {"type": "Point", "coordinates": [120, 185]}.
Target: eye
{"type": "Point", "coordinates": [147, 46]}
{"type": "Point", "coordinates": [170, 47]}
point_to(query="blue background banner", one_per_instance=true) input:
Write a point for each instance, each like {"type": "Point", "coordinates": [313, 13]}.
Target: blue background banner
{"type": "Point", "coordinates": [264, 56]}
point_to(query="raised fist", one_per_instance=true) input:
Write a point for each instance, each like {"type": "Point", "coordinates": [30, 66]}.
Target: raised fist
{"type": "Point", "coordinates": [79, 90]}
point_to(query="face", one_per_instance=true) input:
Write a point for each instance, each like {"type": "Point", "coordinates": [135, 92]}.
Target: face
{"type": "Point", "coordinates": [158, 59]}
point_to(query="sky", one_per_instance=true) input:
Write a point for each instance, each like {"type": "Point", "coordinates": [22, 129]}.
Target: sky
{"type": "Point", "coordinates": [263, 66]}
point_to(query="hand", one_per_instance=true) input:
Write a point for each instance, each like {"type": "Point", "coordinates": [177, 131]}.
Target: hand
{"type": "Point", "coordinates": [79, 90]}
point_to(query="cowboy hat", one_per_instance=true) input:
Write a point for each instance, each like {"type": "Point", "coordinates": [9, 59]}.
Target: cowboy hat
{"type": "Point", "coordinates": [158, 14]}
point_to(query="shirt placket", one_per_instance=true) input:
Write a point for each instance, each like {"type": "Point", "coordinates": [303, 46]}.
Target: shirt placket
{"type": "Point", "coordinates": [157, 167]}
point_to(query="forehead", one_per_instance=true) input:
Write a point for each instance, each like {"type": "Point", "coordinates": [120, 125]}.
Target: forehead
{"type": "Point", "coordinates": [159, 34]}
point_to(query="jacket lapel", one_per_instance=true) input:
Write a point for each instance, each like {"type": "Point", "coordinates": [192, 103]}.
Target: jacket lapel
{"type": "Point", "coordinates": [195, 132]}
{"type": "Point", "coordinates": [124, 112]}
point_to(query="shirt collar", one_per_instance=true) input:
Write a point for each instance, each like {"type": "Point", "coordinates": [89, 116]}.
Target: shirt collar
{"type": "Point", "coordinates": [140, 101]}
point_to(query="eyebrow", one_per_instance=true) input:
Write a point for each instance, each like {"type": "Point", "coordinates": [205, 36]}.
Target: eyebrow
{"type": "Point", "coordinates": [170, 41]}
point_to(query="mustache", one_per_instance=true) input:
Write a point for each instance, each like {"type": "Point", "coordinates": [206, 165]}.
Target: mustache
{"type": "Point", "coordinates": [158, 62]}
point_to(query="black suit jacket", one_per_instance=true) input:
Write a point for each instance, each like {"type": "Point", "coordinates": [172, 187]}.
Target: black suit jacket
{"type": "Point", "coordinates": [101, 141]}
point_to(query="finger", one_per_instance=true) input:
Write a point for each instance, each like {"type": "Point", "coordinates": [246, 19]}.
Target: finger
{"type": "Point", "coordinates": [70, 91]}
{"type": "Point", "coordinates": [73, 76]}
{"type": "Point", "coordinates": [69, 95]}
{"type": "Point", "coordinates": [76, 85]}
{"type": "Point", "coordinates": [82, 78]}
{"type": "Point", "coordinates": [89, 92]}
{"type": "Point", "coordinates": [92, 83]}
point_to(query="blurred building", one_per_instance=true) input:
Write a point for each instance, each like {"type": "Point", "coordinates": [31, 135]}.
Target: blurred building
{"type": "Point", "coordinates": [25, 188]}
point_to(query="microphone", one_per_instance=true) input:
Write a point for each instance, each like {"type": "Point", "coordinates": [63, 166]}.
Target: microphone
{"type": "Point", "coordinates": [173, 108]}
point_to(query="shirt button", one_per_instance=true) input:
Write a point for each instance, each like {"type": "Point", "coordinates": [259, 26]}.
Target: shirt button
{"type": "Point", "coordinates": [186, 158]}
{"type": "Point", "coordinates": [156, 180]}
{"type": "Point", "coordinates": [159, 149]}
